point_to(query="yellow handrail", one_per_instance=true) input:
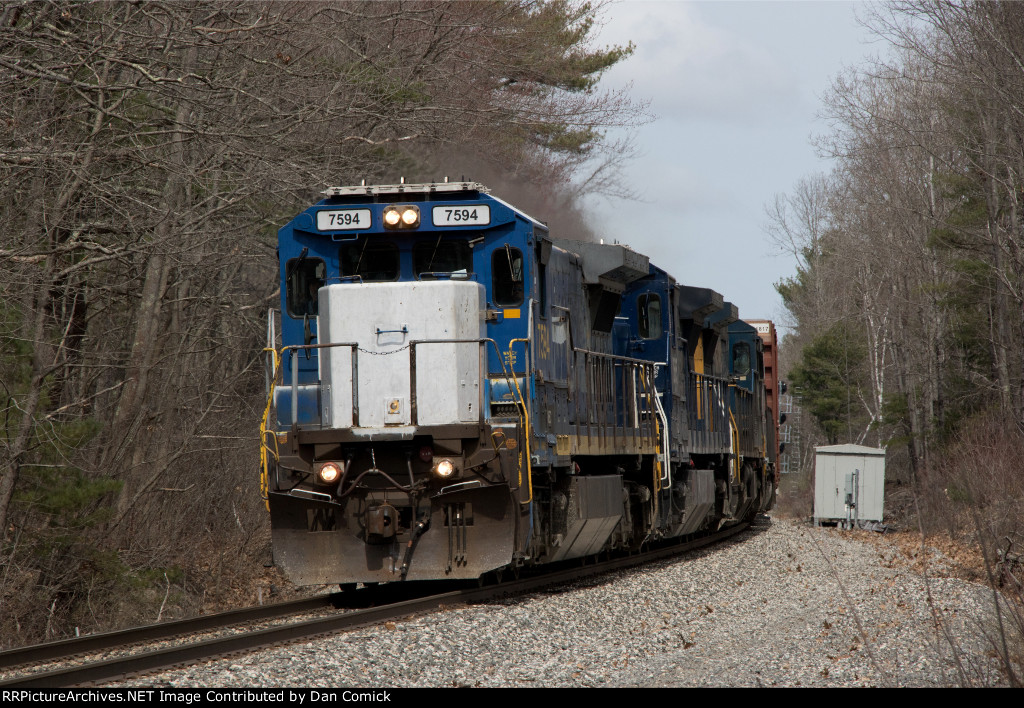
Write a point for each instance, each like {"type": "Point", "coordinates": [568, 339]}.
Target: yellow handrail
{"type": "Point", "coordinates": [264, 450]}
{"type": "Point", "coordinates": [525, 416]}
{"type": "Point", "coordinates": [735, 446]}
{"type": "Point", "coordinates": [650, 392]}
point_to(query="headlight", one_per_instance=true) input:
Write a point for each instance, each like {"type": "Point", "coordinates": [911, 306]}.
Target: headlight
{"type": "Point", "coordinates": [401, 217]}
{"type": "Point", "coordinates": [444, 468]}
{"type": "Point", "coordinates": [329, 473]}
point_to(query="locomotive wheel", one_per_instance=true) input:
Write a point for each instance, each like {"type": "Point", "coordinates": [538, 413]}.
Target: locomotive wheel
{"type": "Point", "coordinates": [491, 577]}
{"type": "Point", "coordinates": [752, 489]}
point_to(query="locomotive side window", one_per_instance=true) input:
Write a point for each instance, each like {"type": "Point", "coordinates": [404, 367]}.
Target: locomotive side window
{"type": "Point", "coordinates": [507, 276]}
{"type": "Point", "coordinates": [741, 359]}
{"type": "Point", "coordinates": [303, 276]}
{"type": "Point", "coordinates": [441, 256]}
{"type": "Point", "coordinates": [370, 260]}
{"type": "Point", "coordinates": [648, 312]}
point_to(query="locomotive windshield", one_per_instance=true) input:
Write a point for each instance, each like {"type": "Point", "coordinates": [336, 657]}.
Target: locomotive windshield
{"type": "Point", "coordinates": [441, 256]}
{"type": "Point", "coordinates": [370, 260]}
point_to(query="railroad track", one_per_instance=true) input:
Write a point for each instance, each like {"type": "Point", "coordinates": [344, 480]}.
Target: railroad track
{"type": "Point", "coordinates": [91, 671]}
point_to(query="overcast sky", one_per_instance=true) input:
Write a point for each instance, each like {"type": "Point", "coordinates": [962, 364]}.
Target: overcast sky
{"type": "Point", "coordinates": [736, 89]}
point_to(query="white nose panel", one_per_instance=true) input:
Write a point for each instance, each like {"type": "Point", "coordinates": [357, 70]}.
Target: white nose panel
{"type": "Point", "coordinates": [383, 320]}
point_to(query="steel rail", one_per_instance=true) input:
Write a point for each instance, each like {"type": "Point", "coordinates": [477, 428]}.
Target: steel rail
{"type": "Point", "coordinates": [66, 648]}
{"type": "Point", "coordinates": [183, 655]}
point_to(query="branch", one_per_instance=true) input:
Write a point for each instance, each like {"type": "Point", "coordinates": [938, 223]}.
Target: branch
{"type": "Point", "coordinates": [380, 142]}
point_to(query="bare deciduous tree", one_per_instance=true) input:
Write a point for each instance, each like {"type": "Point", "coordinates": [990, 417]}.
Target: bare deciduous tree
{"type": "Point", "coordinates": [149, 152]}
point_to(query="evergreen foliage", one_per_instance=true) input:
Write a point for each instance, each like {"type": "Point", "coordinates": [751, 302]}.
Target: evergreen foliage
{"type": "Point", "coordinates": [828, 380]}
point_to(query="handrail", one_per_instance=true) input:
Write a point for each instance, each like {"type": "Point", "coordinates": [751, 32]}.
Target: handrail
{"type": "Point", "coordinates": [611, 362]}
{"type": "Point", "coordinates": [601, 368]}
{"type": "Point", "coordinates": [666, 478]}
{"type": "Point", "coordinates": [266, 452]}
{"type": "Point", "coordinates": [658, 474]}
{"type": "Point", "coordinates": [264, 461]}
{"type": "Point", "coordinates": [264, 448]}
{"type": "Point", "coordinates": [734, 444]}
{"type": "Point", "coordinates": [618, 357]}
{"type": "Point", "coordinates": [292, 348]}
{"type": "Point", "coordinates": [525, 418]}
{"type": "Point", "coordinates": [707, 409]}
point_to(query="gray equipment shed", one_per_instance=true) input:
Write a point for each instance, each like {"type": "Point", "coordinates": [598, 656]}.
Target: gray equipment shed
{"type": "Point", "coordinates": [849, 484]}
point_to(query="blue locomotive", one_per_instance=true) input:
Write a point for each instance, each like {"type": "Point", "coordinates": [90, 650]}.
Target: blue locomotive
{"type": "Point", "coordinates": [459, 392]}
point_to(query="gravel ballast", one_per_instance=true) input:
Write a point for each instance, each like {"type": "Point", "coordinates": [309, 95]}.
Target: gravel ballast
{"type": "Point", "coordinates": [785, 605]}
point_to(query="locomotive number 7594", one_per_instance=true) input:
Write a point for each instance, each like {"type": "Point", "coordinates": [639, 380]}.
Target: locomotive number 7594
{"type": "Point", "coordinates": [454, 215]}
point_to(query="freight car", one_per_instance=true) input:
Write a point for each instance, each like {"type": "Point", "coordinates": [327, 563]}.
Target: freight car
{"type": "Point", "coordinates": [460, 392]}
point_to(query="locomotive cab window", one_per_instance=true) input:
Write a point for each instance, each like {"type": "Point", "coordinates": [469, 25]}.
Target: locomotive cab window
{"type": "Point", "coordinates": [441, 256]}
{"type": "Point", "coordinates": [648, 313]}
{"type": "Point", "coordinates": [370, 260]}
{"type": "Point", "coordinates": [304, 277]}
{"type": "Point", "coordinates": [741, 359]}
{"type": "Point", "coordinates": [507, 276]}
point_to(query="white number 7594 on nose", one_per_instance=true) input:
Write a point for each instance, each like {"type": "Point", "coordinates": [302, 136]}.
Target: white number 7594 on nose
{"type": "Point", "coordinates": [462, 215]}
